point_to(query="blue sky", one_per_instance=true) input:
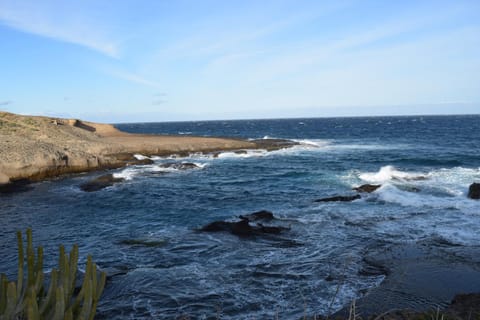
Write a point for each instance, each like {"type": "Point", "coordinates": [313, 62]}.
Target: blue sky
{"type": "Point", "coordinates": [138, 60]}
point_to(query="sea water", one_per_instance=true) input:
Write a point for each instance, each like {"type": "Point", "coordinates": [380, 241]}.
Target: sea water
{"type": "Point", "coordinates": [424, 165]}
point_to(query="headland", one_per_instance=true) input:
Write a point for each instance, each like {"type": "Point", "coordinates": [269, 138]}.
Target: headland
{"type": "Point", "coordinates": [35, 148]}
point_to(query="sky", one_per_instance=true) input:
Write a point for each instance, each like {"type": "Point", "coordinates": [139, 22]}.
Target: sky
{"type": "Point", "coordinates": [159, 60]}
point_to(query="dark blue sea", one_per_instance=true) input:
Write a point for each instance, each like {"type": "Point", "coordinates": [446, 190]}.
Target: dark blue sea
{"type": "Point", "coordinates": [425, 165]}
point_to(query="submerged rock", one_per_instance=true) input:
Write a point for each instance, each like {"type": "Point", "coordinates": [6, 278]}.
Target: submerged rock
{"type": "Point", "coordinates": [259, 215]}
{"type": "Point", "coordinates": [179, 165]}
{"type": "Point", "coordinates": [368, 188]}
{"type": "Point", "coordinates": [474, 191]}
{"type": "Point", "coordinates": [240, 228]}
{"type": "Point", "coordinates": [100, 183]}
{"type": "Point", "coordinates": [339, 198]}
{"type": "Point", "coordinates": [271, 229]}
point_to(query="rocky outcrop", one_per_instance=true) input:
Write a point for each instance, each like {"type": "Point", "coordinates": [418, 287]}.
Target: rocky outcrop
{"type": "Point", "coordinates": [243, 228]}
{"type": "Point", "coordinates": [259, 215]}
{"type": "Point", "coordinates": [474, 191]}
{"type": "Point", "coordinates": [367, 188]}
{"type": "Point", "coordinates": [339, 198]}
{"type": "Point", "coordinates": [100, 183]}
{"type": "Point", "coordinates": [36, 148]}
{"type": "Point", "coordinates": [274, 144]}
{"type": "Point", "coordinates": [179, 165]}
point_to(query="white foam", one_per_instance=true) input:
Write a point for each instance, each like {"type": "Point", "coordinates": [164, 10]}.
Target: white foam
{"type": "Point", "coordinates": [365, 147]}
{"type": "Point", "coordinates": [388, 173]}
{"type": "Point", "coordinates": [246, 154]}
{"type": "Point", "coordinates": [162, 169]}
{"type": "Point", "coordinates": [140, 157]}
{"type": "Point", "coordinates": [313, 143]}
{"type": "Point", "coordinates": [442, 188]}
{"type": "Point", "coordinates": [392, 194]}
{"type": "Point", "coordinates": [127, 173]}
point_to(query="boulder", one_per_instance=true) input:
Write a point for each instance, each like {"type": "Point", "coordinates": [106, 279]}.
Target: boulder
{"type": "Point", "coordinates": [259, 215]}
{"type": "Point", "coordinates": [243, 228]}
{"type": "Point", "coordinates": [368, 188]}
{"type": "Point", "coordinates": [240, 228]}
{"type": "Point", "coordinates": [339, 198]}
{"type": "Point", "coordinates": [474, 191]}
{"type": "Point", "coordinates": [271, 229]}
{"type": "Point", "coordinates": [100, 183]}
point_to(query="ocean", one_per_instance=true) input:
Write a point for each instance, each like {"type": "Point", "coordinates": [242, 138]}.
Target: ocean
{"type": "Point", "coordinates": [145, 231]}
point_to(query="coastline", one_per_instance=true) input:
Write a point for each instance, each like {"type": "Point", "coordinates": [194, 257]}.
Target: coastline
{"type": "Point", "coordinates": [415, 273]}
{"type": "Point", "coordinates": [35, 148]}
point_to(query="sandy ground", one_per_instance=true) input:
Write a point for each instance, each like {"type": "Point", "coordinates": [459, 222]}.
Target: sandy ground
{"type": "Point", "coordinates": [35, 148]}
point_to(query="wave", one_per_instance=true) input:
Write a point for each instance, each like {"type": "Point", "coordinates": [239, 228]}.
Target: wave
{"type": "Point", "coordinates": [388, 173]}
{"type": "Point", "coordinates": [134, 171]}
{"type": "Point", "coordinates": [242, 154]}
{"type": "Point", "coordinates": [140, 157]}
{"type": "Point", "coordinates": [442, 188]}
{"type": "Point", "coordinates": [127, 174]}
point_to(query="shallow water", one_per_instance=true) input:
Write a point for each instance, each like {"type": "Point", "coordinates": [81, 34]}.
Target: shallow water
{"type": "Point", "coordinates": [425, 165]}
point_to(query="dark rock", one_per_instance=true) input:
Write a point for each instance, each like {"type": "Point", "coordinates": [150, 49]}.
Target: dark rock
{"type": "Point", "coordinates": [16, 186]}
{"type": "Point", "coordinates": [243, 228]}
{"type": "Point", "coordinates": [259, 215]}
{"type": "Point", "coordinates": [240, 228]}
{"type": "Point", "coordinates": [474, 191]}
{"type": "Point", "coordinates": [100, 183]}
{"type": "Point", "coordinates": [217, 226]}
{"type": "Point", "coordinates": [465, 306]}
{"type": "Point", "coordinates": [274, 144]}
{"type": "Point", "coordinates": [329, 278]}
{"type": "Point", "coordinates": [142, 162]}
{"type": "Point", "coordinates": [270, 229]}
{"type": "Point", "coordinates": [368, 188]}
{"type": "Point", "coordinates": [179, 165]}
{"type": "Point", "coordinates": [339, 198]}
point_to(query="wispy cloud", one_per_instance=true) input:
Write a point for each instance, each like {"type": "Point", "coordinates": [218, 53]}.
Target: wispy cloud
{"type": "Point", "coordinates": [44, 18]}
{"type": "Point", "coordinates": [133, 77]}
{"type": "Point", "coordinates": [5, 103]}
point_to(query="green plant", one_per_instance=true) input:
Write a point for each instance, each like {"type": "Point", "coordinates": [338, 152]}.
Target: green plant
{"type": "Point", "coordinates": [30, 299]}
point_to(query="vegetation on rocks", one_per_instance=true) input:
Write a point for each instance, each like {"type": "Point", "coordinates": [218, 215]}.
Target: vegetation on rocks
{"type": "Point", "coordinates": [30, 298]}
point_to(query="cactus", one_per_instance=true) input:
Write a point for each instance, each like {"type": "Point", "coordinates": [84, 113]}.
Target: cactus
{"type": "Point", "coordinates": [30, 299]}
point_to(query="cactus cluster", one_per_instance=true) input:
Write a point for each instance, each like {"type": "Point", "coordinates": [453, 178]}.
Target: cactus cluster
{"type": "Point", "coordinates": [30, 298]}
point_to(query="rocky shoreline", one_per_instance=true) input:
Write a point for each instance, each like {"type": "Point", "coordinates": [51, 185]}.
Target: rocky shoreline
{"type": "Point", "coordinates": [35, 148]}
